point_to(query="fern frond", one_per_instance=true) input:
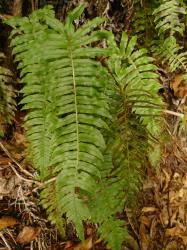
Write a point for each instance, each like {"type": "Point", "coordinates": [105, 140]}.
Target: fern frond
{"type": "Point", "coordinates": [64, 93]}
{"type": "Point", "coordinates": [118, 187]}
{"type": "Point", "coordinates": [108, 197]}
{"type": "Point", "coordinates": [167, 17]}
{"type": "Point", "coordinates": [7, 97]}
{"type": "Point", "coordinates": [49, 202]}
{"type": "Point", "coordinates": [129, 142]}
{"type": "Point", "coordinates": [134, 71]}
{"type": "Point", "coordinates": [113, 233]}
{"type": "Point", "coordinates": [171, 53]}
{"type": "Point", "coordinates": [143, 23]}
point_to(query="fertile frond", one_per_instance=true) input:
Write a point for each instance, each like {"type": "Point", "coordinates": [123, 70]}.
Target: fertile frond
{"type": "Point", "coordinates": [171, 54]}
{"type": "Point", "coordinates": [64, 93]}
{"type": "Point", "coordinates": [167, 17]}
{"type": "Point", "coordinates": [7, 97]}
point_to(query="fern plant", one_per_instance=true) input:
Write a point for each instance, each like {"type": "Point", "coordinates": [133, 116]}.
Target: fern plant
{"type": "Point", "coordinates": [143, 22]}
{"type": "Point", "coordinates": [64, 93]}
{"type": "Point", "coordinates": [84, 120]}
{"type": "Point", "coordinates": [135, 74]}
{"type": "Point", "coordinates": [167, 17]}
{"type": "Point", "coordinates": [169, 24]}
{"type": "Point", "coordinates": [171, 54]}
{"type": "Point", "coordinates": [136, 126]}
{"type": "Point", "coordinates": [7, 97]}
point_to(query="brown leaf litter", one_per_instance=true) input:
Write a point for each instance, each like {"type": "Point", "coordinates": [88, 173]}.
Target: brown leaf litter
{"type": "Point", "coordinates": [28, 234]}
{"type": "Point", "coordinates": [163, 217]}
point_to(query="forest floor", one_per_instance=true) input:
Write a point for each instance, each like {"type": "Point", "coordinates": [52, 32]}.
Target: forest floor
{"type": "Point", "coordinates": [158, 222]}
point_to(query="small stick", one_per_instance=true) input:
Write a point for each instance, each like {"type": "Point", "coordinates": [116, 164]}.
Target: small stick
{"type": "Point", "coordinates": [130, 222]}
{"type": "Point", "coordinates": [22, 178]}
{"type": "Point", "coordinates": [173, 113]}
{"type": "Point", "coordinates": [20, 167]}
{"type": "Point", "coordinates": [40, 184]}
{"type": "Point", "coordinates": [5, 241]}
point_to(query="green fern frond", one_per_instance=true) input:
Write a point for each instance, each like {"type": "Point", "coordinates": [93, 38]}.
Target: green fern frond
{"type": "Point", "coordinates": [171, 54]}
{"type": "Point", "coordinates": [118, 187]}
{"type": "Point", "coordinates": [64, 92]}
{"type": "Point", "coordinates": [134, 72]}
{"type": "Point", "coordinates": [167, 17]}
{"type": "Point", "coordinates": [129, 141]}
{"type": "Point", "coordinates": [108, 197]}
{"type": "Point", "coordinates": [143, 23]}
{"type": "Point", "coordinates": [7, 97]}
{"type": "Point", "coordinates": [49, 202]}
{"type": "Point", "coordinates": [113, 232]}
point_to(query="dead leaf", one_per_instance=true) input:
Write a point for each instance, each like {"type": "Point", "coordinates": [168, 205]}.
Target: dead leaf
{"type": "Point", "coordinates": [149, 209]}
{"type": "Point", "coordinates": [153, 228]}
{"type": "Point", "coordinates": [164, 216]}
{"type": "Point", "coordinates": [179, 86]}
{"type": "Point", "coordinates": [172, 232]}
{"type": "Point", "coordinates": [28, 234]}
{"type": "Point", "coordinates": [20, 139]}
{"type": "Point", "coordinates": [4, 161]}
{"type": "Point", "coordinates": [84, 245]}
{"type": "Point", "coordinates": [68, 245]}
{"type": "Point", "coordinates": [184, 238]}
{"type": "Point", "coordinates": [89, 231]}
{"type": "Point", "coordinates": [172, 245]}
{"type": "Point", "coordinates": [8, 187]}
{"type": "Point", "coordinates": [7, 221]}
{"type": "Point", "coordinates": [174, 216]}
{"type": "Point", "coordinates": [144, 237]}
{"type": "Point", "coordinates": [145, 220]}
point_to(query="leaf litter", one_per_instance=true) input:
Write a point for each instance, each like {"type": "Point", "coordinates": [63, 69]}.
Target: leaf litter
{"type": "Point", "coordinates": [160, 220]}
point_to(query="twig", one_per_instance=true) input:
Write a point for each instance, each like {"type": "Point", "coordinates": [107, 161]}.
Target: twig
{"type": "Point", "coordinates": [5, 241]}
{"type": "Point", "coordinates": [22, 178]}
{"type": "Point", "coordinates": [38, 183]}
{"type": "Point", "coordinates": [173, 113]}
{"type": "Point", "coordinates": [17, 163]}
{"type": "Point", "coordinates": [130, 222]}
{"type": "Point", "coordinates": [42, 184]}
{"type": "Point", "coordinates": [12, 237]}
